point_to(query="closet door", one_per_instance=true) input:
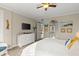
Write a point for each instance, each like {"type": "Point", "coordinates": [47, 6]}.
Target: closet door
{"type": "Point", "coordinates": [38, 31]}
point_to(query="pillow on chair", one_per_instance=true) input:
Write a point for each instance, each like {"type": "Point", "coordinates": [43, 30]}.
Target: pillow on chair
{"type": "Point", "coordinates": [74, 50]}
{"type": "Point", "coordinates": [72, 42]}
{"type": "Point", "coordinates": [2, 48]}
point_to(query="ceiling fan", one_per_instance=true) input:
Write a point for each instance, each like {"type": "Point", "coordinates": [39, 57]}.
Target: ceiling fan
{"type": "Point", "coordinates": [46, 5]}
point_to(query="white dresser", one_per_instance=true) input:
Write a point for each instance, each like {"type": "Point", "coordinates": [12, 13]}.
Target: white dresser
{"type": "Point", "coordinates": [25, 39]}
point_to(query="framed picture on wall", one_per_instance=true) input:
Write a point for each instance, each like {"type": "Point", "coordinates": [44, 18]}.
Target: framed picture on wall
{"type": "Point", "coordinates": [69, 30]}
{"type": "Point", "coordinates": [63, 30]}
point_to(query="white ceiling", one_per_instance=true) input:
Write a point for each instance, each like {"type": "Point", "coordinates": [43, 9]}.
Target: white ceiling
{"type": "Point", "coordinates": [29, 10]}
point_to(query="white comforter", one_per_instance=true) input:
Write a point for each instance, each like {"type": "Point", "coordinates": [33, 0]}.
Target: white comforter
{"type": "Point", "coordinates": [49, 47]}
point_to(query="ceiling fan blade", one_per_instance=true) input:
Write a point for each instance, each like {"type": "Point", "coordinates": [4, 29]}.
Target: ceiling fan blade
{"type": "Point", "coordinates": [52, 5]}
{"type": "Point", "coordinates": [43, 3]}
{"type": "Point", "coordinates": [39, 7]}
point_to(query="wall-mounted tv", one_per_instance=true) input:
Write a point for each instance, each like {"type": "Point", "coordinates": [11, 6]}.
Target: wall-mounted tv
{"type": "Point", "coordinates": [26, 26]}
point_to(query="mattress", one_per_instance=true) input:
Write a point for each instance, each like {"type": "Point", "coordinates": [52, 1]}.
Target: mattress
{"type": "Point", "coordinates": [49, 47]}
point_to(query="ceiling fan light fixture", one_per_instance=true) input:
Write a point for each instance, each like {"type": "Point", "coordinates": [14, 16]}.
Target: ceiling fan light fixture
{"type": "Point", "coordinates": [47, 5]}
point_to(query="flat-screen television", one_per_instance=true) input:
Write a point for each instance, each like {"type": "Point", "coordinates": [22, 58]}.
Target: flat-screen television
{"type": "Point", "coordinates": [26, 26]}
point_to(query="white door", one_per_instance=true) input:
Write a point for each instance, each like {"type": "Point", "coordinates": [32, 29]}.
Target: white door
{"type": "Point", "coordinates": [38, 31]}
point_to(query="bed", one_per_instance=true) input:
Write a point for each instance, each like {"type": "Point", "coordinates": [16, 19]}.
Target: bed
{"type": "Point", "coordinates": [50, 47]}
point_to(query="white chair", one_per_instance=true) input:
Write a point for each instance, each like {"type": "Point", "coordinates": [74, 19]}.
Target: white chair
{"type": "Point", "coordinates": [3, 48]}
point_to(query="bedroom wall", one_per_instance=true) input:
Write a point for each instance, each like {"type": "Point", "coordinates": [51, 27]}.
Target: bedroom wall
{"type": "Point", "coordinates": [1, 26]}
{"type": "Point", "coordinates": [16, 26]}
{"type": "Point", "coordinates": [74, 18]}
{"type": "Point", "coordinates": [10, 35]}
{"type": "Point", "coordinates": [5, 34]}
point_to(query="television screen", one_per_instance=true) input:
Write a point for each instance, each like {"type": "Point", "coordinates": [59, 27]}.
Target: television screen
{"type": "Point", "coordinates": [26, 26]}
